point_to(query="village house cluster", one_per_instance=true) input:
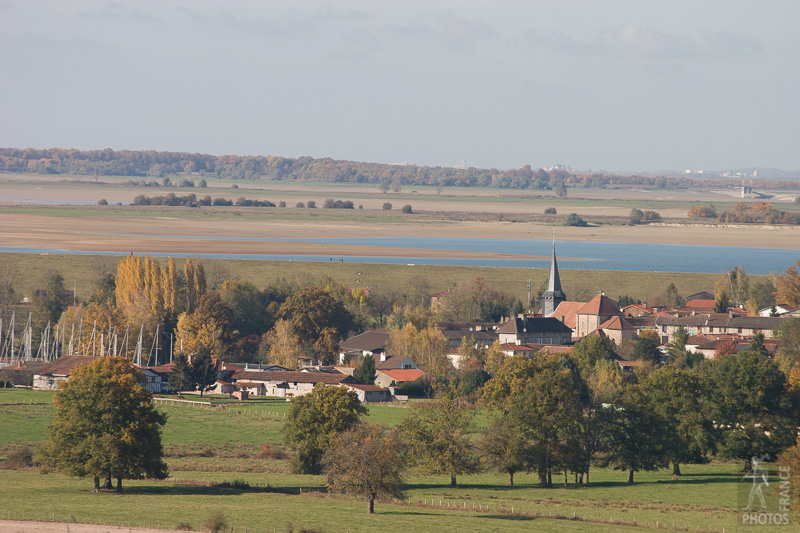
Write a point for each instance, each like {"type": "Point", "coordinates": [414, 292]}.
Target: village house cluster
{"type": "Point", "coordinates": [554, 330]}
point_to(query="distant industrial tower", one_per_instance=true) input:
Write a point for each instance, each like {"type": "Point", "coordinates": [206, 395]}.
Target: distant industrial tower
{"type": "Point", "coordinates": [553, 295]}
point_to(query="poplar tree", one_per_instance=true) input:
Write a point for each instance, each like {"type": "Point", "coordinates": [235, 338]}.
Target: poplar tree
{"type": "Point", "coordinates": [191, 286]}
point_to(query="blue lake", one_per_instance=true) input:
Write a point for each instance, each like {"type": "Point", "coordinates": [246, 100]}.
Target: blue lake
{"type": "Point", "coordinates": [594, 255]}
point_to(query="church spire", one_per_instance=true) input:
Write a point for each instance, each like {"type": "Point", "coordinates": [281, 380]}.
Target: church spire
{"type": "Point", "coordinates": [554, 295]}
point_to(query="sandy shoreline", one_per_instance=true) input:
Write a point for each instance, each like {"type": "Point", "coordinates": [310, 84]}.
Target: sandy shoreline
{"type": "Point", "coordinates": [24, 526]}
{"type": "Point", "coordinates": [222, 235]}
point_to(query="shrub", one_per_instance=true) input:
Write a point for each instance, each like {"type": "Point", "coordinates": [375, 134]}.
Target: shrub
{"type": "Point", "coordinates": [550, 211]}
{"type": "Point", "coordinates": [406, 209]}
{"type": "Point", "coordinates": [216, 522]}
{"type": "Point", "coordinates": [311, 204]}
{"type": "Point", "coordinates": [574, 220]}
{"type": "Point", "coordinates": [102, 201]}
{"type": "Point", "coordinates": [300, 204]}
{"type": "Point", "coordinates": [281, 204]}
{"type": "Point", "coordinates": [387, 206]}
{"type": "Point", "coordinates": [636, 216]}
{"type": "Point", "coordinates": [201, 184]}
{"type": "Point", "coordinates": [184, 526]}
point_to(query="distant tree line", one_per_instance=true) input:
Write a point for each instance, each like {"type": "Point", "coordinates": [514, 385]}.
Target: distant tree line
{"type": "Point", "coordinates": [160, 164]}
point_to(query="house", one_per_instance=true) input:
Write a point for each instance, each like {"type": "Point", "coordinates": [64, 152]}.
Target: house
{"type": "Point", "coordinates": [367, 343]}
{"type": "Point", "coordinates": [512, 349]}
{"type": "Point", "coordinates": [618, 329]}
{"type": "Point", "coordinates": [637, 310]}
{"type": "Point", "coordinates": [396, 362]}
{"type": "Point", "coordinates": [286, 384]}
{"type": "Point", "coordinates": [387, 378]}
{"type": "Point", "coordinates": [777, 310]}
{"type": "Point", "coordinates": [594, 313]}
{"type": "Point", "coordinates": [455, 333]}
{"type": "Point", "coordinates": [50, 375]}
{"type": "Point", "coordinates": [369, 393]}
{"type": "Point", "coordinates": [526, 329]}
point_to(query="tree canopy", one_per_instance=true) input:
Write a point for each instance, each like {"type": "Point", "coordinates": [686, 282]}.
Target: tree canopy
{"type": "Point", "coordinates": [105, 426]}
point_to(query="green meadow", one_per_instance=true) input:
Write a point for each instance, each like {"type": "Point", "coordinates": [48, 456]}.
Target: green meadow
{"type": "Point", "coordinates": [240, 444]}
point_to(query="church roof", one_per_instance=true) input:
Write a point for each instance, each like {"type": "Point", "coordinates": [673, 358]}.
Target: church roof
{"type": "Point", "coordinates": [600, 305]}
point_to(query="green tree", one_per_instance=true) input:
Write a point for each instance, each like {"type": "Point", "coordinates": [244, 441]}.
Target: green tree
{"type": "Point", "coordinates": [105, 426]}
{"type": "Point", "coordinates": [591, 349]}
{"type": "Point", "coordinates": [683, 399]}
{"type": "Point", "coordinates": [574, 220]}
{"type": "Point", "coordinates": [645, 349]}
{"type": "Point", "coordinates": [503, 447]}
{"type": "Point", "coordinates": [50, 302]}
{"type": "Point", "coordinates": [751, 404]}
{"type": "Point", "coordinates": [639, 436]}
{"type": "Point", "coordinates": [366, 461]}
{"type": "Point", "coordinates": [676, 348]}
{"type": "Point", "coordinates": [315, 419]}
{"type": "Point", "coordinates": [636, 216]}
{"type": "Point", "coordinates": [788, 331]}
{"type": "Point", "coordinates": [365, 373]}
{"type": "Point", "coordinates": [406, 209]}
{"type": "Point", "coordinates": [561, 189]}
{"type": "Point", "coordinates": [440, 437]}
{"type": "Point", "coordinates": [181, 378]}
{"type": "Point", "coordinates": [204, 372]}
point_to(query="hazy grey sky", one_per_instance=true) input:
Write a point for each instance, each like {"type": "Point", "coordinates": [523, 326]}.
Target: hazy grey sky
{"type": "Point", "coordinates": [601, 84]}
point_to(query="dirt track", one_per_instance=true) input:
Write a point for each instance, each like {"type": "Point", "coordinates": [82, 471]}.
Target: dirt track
{"type": "Point", "coordinates": [19, 526]}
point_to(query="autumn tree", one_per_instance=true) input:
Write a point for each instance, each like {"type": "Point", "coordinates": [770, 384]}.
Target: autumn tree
{"type": "Point", "coordinates": [473, 300]}
{"type": "Point", "coordinates": [788, 286]}
{"type": "Point", "coordinates": [319, 321]}
{"type": "Point", "coordinates": [105, 426]}
{"type": "Point", "coordinates": [427, 347]}
{"type": "Point", "coordinates": [439, 434]}
{"type": "Point", "coordinates": [591, 349]}
{"type": "Point", "coordinates": [788, 331]}
{"type": "Point", "coordinates": [314, 421]}
{"type": "Point", "coordinates": [284, 347]}
{"type": "Point", "coordinates": [733, 286]}
{"type": "Point", "coordinates": [209, 326]}
{"type": "Point", "coordinates": [366, 461]}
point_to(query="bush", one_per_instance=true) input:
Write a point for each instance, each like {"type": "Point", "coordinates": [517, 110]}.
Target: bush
{"type": "Point", "coordinates": [636, 216]}
{"type": "Point", "coordinates": [387, 206]}
{"type": "Point", "coordinates": [202, 184]}
{"type": "Point", "coordinates": [550, 211]}
{"type": "Point", "coordinates": [406, 209]}
{"type": "Point", "coordinates": [281, 204]}
{"type": "Point", "coordinates": [300, 204]}
{"type": "Point", "coordinates": [216, 522]}
{"type": "Point", "coordinates": [574, 220]}
{"type": "Point", "coordinates": [184, 526]}
{"type": "Point", "coordinates": [102, 201]}
{"type": "Point", "coordinates": [311, 204]}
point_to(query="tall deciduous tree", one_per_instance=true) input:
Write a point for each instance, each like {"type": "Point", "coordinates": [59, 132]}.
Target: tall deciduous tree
{"type": "Point", "coordinates": [284, 347]}
{"type": "Point", "coordinates": [426, 347]}
{"type": "Point", "coordinates": [640, 437]}
{"type": "Point", "coordinates": [788, 286]}
{"type": "Point", "coordinates": [105, 426]}
{"type": "Point", "coordinates": [683, 399]}
{"type": "Point", "coordinates": [503, 447]}
{"type": "Point", "coordinates": [366, 461]}
{"type": "Point", "coordinates": [319, 321]}
{"type": "Point", "coordinates": [315, 419]}
{"type": "Point", "coordinates": [752, 406]}
{"type": "Point", "coordinates": [440, 437]}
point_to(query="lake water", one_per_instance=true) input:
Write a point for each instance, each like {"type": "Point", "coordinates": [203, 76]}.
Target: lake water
{"type": "Point", "coordinates": [594, 255]}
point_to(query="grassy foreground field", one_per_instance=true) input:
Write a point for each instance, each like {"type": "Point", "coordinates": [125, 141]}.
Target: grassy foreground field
{"type": "Point", "coordinates": [225, 444]}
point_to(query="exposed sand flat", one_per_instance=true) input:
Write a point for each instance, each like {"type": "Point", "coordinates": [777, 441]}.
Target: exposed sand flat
{"type": "Point", "coordinates": [157, 234]}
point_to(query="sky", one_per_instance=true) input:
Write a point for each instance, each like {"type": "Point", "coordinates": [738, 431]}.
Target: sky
{"type": "Point", "coordinates": [625, 85]}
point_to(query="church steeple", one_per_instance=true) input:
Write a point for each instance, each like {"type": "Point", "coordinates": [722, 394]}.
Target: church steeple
{"type": "Point", "coordinates": [553, 295]}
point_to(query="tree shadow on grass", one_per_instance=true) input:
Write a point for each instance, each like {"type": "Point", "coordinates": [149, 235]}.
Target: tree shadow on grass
{"type": "Point", "coordinates": [201, 490]}
{"type": "Point", "coordinates": [515, 517]}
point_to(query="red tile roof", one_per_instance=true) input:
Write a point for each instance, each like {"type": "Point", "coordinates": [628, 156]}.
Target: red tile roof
{"type": "Point", "coordinates": [616, 323]}
{"type": "Point", "coordinates": [403, 375]}
{"type": "Point", "coordinates": [600, 305]}
{"type": "Point", "coordinates": [566, 312]}
{"type": "Point", "coordinates": [704, 304]}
